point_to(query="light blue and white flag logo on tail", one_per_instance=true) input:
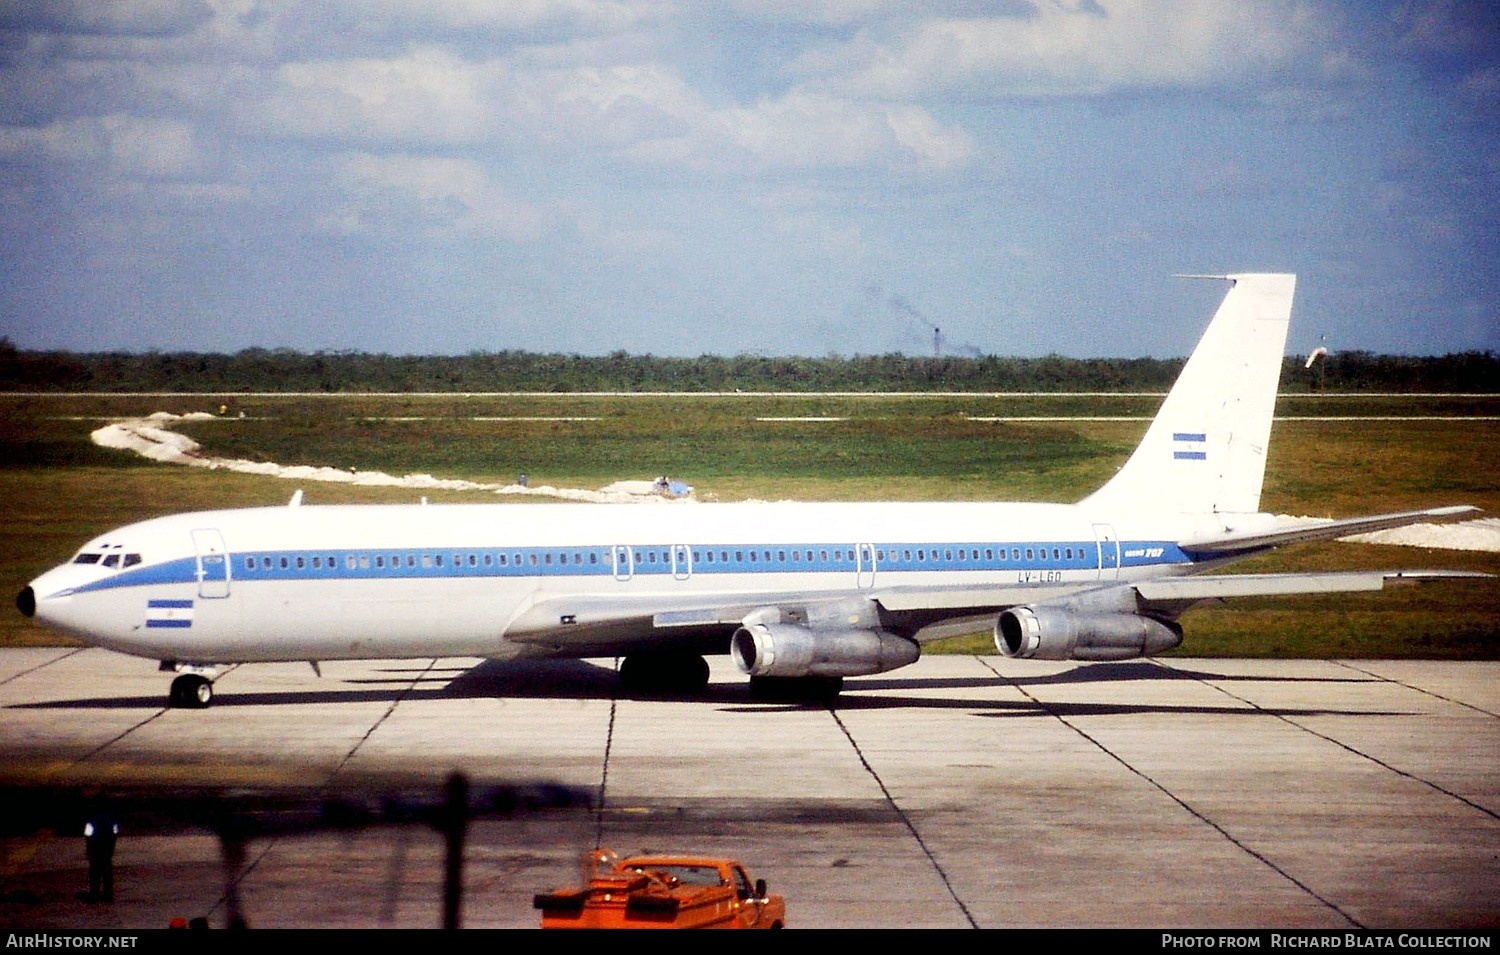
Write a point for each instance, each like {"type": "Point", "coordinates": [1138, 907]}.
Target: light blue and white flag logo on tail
{"type": "Point", "coordinates": [169, 614]}
{"type": "Point", "coordinates": [1189, 446]}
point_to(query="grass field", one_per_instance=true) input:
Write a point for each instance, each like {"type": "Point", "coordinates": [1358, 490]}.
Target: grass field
{"type": "Point", "coordinates": [60, 489]}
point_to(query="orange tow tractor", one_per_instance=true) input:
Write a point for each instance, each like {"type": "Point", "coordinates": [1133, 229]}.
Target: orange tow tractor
{"type": "Point", "coordinates": [662, 892]}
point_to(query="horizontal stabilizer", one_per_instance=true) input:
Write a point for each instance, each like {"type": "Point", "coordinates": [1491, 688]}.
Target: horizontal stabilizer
{"type": "Point", "coordinates": [1228, 544]}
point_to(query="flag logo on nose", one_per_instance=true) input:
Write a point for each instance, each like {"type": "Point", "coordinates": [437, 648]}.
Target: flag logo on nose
{"type": "Point", "coordinates": [169, 614]}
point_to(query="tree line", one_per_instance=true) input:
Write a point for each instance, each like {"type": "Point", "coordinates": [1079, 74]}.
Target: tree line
{"type": "Point", "coordinates": [285, 370]}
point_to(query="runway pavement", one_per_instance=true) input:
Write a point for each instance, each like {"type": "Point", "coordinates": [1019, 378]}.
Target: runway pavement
{"type": "Point", "coordinates": [959, 792]}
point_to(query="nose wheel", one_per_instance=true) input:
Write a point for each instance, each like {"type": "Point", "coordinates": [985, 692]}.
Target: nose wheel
{"type": "Point", "coordinates": [191, 692]}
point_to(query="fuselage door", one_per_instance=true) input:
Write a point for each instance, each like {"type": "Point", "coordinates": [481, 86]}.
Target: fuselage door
{"type": "Point", "coordinates": [682, 561]}
{"type": "Point", "coordinates": [1109, 551]}
{"type": "Point", "coordinates": [624, 562]}
{"type": "Point", "coordinates": [864, 566]}
{"type": "Point", "coordinates": [213, 563]}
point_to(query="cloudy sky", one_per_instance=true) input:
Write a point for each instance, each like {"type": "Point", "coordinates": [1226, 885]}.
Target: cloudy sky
{"type": "Point", "coordinates": [683, 177]}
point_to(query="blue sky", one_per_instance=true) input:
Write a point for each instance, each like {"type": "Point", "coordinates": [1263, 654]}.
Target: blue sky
{"type": "Point", "coordinates": [684, 177]}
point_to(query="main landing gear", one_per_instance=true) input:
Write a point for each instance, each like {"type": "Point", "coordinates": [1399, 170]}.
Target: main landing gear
{"type": "Point", "coordinates": [191, 691]}
{"type": "Point", "coordinates": [664, 672]}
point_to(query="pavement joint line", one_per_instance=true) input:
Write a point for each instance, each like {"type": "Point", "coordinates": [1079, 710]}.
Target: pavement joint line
{"type": "Point", "coordinates": [233, 881]}
{"type": "Point", "coordinates": [1186, 806]}
{"type": "Point", "coordinates": [1404, 774]}
{"type": "Point", "coordinates": [45, 663]}
{"type": "Point", "coordinates": [1423, 690]}
{"type": "Point", "coordinates": [609, 742]}
{"type": "Point", "coordinates": [389, 710]}
{"type": "Point", "coordinates": [905, 819]}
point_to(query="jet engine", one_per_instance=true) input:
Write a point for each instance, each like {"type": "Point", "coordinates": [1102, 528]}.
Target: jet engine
{"type": "Point", "coordinates": [790, 650]}
{"type": "Point", "coordinates": [1088, 629]}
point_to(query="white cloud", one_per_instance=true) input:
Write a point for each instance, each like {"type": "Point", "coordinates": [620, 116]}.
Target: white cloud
{"type": "Point", "coordinates": [509, 15]}
{"type": "Point", "coordinates": [115, 18]}
{"type": "Point", "coordinates": [830, 12]}
{"type": "Point", "coordinates": [130, 147]}
{"type": "Point", "coordinates": [806, 129]}
{"type": "Point", "coordinates": [434, 195]}
{"type": "Point", "coordinates": [429, 95]}
{"type": "Point", "coordinates": [1071, 49]}
{"type": "Point", "coordinates": [643, 111]}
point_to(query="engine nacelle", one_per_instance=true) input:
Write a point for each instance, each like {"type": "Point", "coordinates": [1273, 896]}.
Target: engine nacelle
{"type": "Point", "coordinates": [788, 650]}
{"type": "Point", "coordinates": [1042, 632]}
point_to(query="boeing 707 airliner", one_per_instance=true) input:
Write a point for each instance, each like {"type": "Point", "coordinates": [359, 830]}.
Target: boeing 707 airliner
{"type": "Point", "coordinates": [801, 594]}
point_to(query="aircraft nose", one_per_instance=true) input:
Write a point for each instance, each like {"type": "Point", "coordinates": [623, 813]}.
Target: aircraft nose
{"type": "Point", "coordinates": [26, 602]}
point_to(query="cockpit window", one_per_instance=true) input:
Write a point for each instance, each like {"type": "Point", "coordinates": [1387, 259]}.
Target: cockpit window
{"type": "Point", "coordinates": [131, 560]}
{"type": "Point", "coordinates": [87, 559]}
{"type": "Point", "coordinates": [113, 560]}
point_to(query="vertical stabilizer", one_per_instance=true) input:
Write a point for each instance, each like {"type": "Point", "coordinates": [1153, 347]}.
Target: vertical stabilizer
{"type": "Point", "coordinates": [1205, 452]}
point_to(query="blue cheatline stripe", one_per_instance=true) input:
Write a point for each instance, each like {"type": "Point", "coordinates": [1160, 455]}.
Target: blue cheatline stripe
{"type": "Point", "coordinates": [170, 604]}
{"type": "Point", "coordinates": [457, 563]}
{"type": "Point", "coordinates": [168, 624]}
{"type": "Point", "coordinates": [1190, 455]}
{"type": "Point", "coordinates": [1189, 436]}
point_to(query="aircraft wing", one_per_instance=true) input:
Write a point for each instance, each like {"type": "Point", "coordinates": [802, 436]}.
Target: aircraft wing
{"type": "Point", "coordinates": [1233, 544]}
{"type": "Point", "coordinates": [941, 613]}
{"type": "Point", "coordinates": [1165, 590]}
{"type": "Point", "coordinates": [598, 625]}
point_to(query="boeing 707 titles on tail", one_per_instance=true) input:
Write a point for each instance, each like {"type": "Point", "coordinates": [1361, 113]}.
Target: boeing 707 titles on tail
{"type": "Point", "coordinates": [801, 594]}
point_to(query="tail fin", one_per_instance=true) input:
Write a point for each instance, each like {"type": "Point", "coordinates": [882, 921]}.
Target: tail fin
{"type": "Point", "coordinates": [1205, 452]}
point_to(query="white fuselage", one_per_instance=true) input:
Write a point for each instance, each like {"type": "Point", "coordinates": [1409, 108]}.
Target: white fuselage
{"type": "Point", "coordinates": [351, 582]}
